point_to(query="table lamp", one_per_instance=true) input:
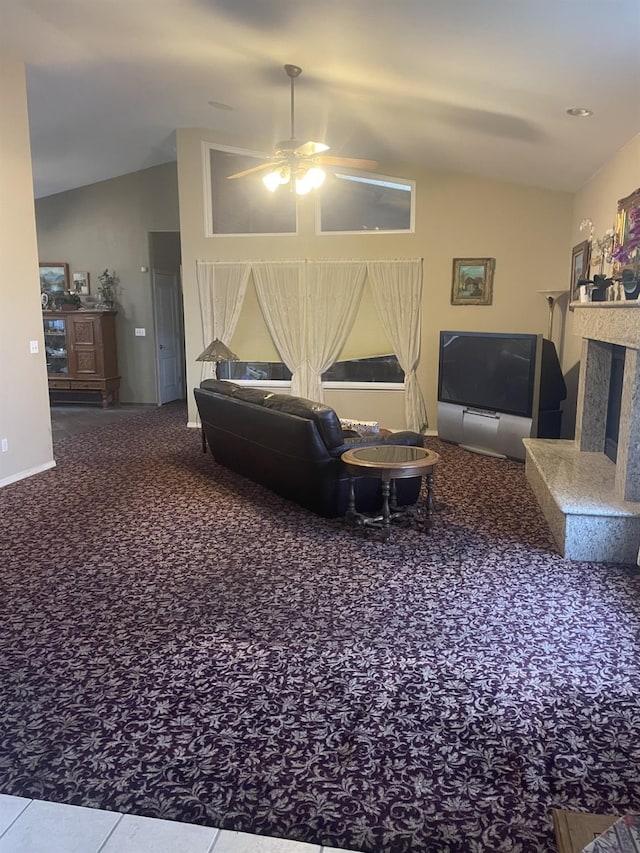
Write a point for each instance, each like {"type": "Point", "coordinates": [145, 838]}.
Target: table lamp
{"type": "Point", "coordinates": [217, 352]}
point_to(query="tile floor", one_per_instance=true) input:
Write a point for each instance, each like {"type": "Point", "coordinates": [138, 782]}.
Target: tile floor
{"type": "Point", "coordinates": [36, 826]}
{"type": "Point", "coordinates": [71, 419]}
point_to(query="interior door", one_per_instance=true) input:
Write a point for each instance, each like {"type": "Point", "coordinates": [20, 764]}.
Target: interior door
{"type": "Point", "coordinates": [169, 337]}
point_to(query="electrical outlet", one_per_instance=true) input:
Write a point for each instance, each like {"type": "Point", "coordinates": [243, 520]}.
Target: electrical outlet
{"type": "Point", "coordinates": [5, 445]}
{"type": "Point", "coordinates": [140, 333]}
{"type": "Point", "coordinates": [33, 347]}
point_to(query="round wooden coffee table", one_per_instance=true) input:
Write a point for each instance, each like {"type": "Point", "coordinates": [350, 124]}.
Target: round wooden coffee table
{"type": "Point", "coordinates": [390, 462]}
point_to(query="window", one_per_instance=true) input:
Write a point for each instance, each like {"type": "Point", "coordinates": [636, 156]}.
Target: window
{"type": "Point", "coordinates": [243, 206]}
{"type": "Point", "coordinates": [366, 204]}
{"type": "Point", "coordinates": [379, 368]}
{"type": "Point", "coordinates": [254, 371]}
{"type": "Point", "coordinates": [367, 357]}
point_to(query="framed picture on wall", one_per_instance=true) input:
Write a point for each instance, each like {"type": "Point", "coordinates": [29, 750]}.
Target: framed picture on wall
{"type": "Point", "coordinates": [472, 282]}
{"type": "Point", "coordinates": [54, 277]}
{"type": "Point", "coordinates": [579, 267]}
{"type": "Point", "coordinates": [626, 251]}
{"type": "Point", "coordinates": [81, 283]}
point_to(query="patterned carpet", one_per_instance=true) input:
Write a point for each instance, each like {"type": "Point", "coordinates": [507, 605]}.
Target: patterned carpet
{"type": "Point", "coordinates": [178, 642]}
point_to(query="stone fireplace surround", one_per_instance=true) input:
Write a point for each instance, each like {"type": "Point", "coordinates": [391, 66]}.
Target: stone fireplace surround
{"type": "Point", "coordinates": [592, 504]}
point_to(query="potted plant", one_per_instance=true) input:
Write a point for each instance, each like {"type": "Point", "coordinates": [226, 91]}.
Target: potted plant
{"type": "Point", "coordinates": [68, 301]}
{"type": "Point", "coordinates": [107, 283]}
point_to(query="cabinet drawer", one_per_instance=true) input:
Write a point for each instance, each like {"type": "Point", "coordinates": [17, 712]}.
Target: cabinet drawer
{"type": "Point", "coordinates": [59, 383]}
{"type": "Point", "coordinates": [85, 385]}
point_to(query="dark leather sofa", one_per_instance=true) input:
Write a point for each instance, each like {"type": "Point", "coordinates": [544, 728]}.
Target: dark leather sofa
{"type": "Point", "coordinates": [292, 446]}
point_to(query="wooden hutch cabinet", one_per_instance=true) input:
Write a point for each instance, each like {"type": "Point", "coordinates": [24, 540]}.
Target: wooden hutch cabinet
{"type": "Point", "coordinates": [81, 353]}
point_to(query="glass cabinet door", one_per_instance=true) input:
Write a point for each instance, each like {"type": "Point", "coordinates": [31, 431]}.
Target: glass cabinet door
{"type": "Point", "coordinates": [55, 344]}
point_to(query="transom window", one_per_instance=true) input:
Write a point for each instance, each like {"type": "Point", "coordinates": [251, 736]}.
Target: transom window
{"type": "Point", "coordinates": [359, 204]}
{"type": "Point", "coordinates": [243, 205]}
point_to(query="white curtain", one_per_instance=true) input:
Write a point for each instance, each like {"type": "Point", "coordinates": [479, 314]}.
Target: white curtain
{"type": "Point", "coordinates": [222, 287]}
{"type": "Point", "coordinates": [279, 285]}
{"type": "Point", "coordinates": [334, 289]}
{"type": "Point", "coordinates": [397, 295]}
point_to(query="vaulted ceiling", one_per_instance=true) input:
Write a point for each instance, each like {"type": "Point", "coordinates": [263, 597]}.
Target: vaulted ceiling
{"type": "Point", "coordinates": [473, 86]}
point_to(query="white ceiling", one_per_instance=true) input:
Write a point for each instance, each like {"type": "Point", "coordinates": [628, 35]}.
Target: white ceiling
{"type": "Point", "coordinates": [472, 86]}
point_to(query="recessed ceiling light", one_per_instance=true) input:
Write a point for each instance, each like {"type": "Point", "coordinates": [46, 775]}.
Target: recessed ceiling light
{"type": "Point", "coordinates": [580, 112]}
{"type": "Point", "coordinates": [219, 106]}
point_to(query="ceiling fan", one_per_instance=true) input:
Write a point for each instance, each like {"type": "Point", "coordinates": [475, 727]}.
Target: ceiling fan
{"type": "Point", "coordinates": [299, 163]}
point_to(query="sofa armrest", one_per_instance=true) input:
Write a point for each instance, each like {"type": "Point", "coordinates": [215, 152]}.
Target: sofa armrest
{"type": "Point", "coordinates": [405, 437]}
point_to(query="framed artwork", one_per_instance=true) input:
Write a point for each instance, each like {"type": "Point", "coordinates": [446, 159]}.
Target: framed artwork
{"type": "Point", "coordinates": [472, 282]}
{"type": "Point", "coordinates": [81, 283]}
{"type": "Point", "coordinates": [54, 277]}
{"type": "Point", "coordinates": [628, 213]}
{"type": "Point", "coordinates": [579, 267]}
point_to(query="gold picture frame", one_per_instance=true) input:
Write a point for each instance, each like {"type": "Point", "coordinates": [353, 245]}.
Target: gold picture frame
{"type": "Point", "coordinates": [472, 281]}
{"type": "Point", "coordinates": [625, 207]}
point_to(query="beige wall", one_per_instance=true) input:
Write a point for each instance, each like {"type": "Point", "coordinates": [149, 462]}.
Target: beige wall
{"type": "Point", "coordinates": [24, 398]}
{"type": "Point", "coordinates": [107, 225]}
{"type": "Point", "coordinates": [597, 201]}
{"type": "Point", "coordinates": [527, 230]}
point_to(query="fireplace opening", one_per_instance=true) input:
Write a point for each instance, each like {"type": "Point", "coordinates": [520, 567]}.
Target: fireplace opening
{"type": "Point", "coordinates": [614, 403]}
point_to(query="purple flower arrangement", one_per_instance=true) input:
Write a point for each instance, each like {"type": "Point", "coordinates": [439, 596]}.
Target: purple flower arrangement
{"type": "Point", "coordinates": [629, 251]}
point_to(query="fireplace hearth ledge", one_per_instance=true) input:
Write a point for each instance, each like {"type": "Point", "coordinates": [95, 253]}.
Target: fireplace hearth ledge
{"type": "Point", "coordinates": [576, 492]}
{"type": "Point", "coordinates": [591, 504]}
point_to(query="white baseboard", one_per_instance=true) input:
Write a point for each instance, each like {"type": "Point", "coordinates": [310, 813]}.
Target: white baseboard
{"type": "Point", "coordinates": [22, 475]}
{"type": "Point", "coordinates": [193, 425]}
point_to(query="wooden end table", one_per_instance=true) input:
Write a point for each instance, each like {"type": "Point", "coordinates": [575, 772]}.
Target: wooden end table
{"type": "Point", "coordinates": [390, 462]}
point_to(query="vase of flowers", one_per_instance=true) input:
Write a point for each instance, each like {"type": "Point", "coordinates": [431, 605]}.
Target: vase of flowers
{"type": "Point", "coordinates": [626, 255]}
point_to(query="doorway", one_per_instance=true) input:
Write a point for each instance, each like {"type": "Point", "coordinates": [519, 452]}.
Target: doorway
{"type": "Point", "coordinates": [166, 287]}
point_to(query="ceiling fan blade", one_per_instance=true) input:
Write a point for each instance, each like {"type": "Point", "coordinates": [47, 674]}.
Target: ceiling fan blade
{"type": "Point", "coordinates": [349, 162]}
{"type": "Point", "coordinates": [261, 168]}
{"type": "Point", "coordinates": [308, 149]}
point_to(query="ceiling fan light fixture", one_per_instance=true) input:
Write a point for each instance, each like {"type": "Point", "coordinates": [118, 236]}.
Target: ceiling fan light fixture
{"type": "Point", "coordinates": [276, 178]}
{"type": "Point", "coordinates": [271, 181]}
{"type": "Point", "coordinates": [312, 179]}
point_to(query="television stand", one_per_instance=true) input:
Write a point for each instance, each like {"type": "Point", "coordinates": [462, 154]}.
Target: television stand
{"type": "Point", "coordinates": [484, 431]}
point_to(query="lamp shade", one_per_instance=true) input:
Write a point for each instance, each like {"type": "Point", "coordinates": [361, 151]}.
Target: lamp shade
{"type": "Point", "coordinates": [217, 351]}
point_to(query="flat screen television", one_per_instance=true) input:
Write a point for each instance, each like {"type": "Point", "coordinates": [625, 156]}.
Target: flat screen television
{"type": "Point", "coordinates": [489, 371]}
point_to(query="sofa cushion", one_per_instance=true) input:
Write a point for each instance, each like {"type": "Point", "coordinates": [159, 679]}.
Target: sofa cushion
{"type": "Point", "coordinates": [323, 416]}
{"type": "Point", "coordinates": [240, 392]}
{"type": "Point", "coordinates": [251, 395]}
{"type": "Point", "coordinates": [220, 386]}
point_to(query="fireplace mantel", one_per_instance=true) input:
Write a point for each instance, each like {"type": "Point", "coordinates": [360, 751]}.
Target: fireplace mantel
{"type": "Point", "coordinates": [592, 504]}
{"type": "Point", "coordinates": [611, 322]}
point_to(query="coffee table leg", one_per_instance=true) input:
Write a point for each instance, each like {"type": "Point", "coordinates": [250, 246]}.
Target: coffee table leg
{"type": "Point", "coordinates": [351, 506]}
{"type": "Point", "coordinates": [430, 509]}
{"type": "Point", "coordinates": [393, 497]}
{"type": "Point", "coordinates": [386, 514]}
